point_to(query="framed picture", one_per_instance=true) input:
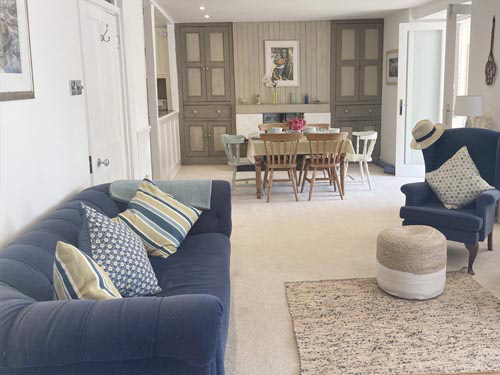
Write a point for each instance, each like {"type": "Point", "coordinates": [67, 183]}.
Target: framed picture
{"type": "Point", "coordinates": [282, 61]}
{"type": "Point", "coordinates": [16, 76]}
{"type": "Point", "coordinates": [391, 76]}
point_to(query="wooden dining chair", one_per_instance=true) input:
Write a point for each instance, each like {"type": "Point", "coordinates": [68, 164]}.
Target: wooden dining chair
{"type": "Point", "coordinates": [281, 155]}
{"type": "Point", "coordinates": [266, 127]}
{"type": "Point", "coordinates": [325, 154]}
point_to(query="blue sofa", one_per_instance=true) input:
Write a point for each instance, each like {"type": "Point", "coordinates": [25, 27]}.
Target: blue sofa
{"type": "Point", "coordinates": [468, 225]}
{"type": "Point", "coordinates": [181, 331]}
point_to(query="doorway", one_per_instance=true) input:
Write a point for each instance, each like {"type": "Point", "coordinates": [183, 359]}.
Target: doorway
{"type": "Point", "coordinates": [102, 64]}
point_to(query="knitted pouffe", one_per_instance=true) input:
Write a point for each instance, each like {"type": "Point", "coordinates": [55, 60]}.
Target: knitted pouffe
{"type": "Point", "coordinates": [411, 262]}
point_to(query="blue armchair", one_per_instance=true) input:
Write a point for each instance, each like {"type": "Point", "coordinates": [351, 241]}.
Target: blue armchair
{"type": "Point", "coordinates": [470, 224]}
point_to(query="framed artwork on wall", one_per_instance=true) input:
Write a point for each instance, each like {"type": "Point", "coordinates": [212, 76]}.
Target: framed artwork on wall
{"type": "Point", "coordinates": [16, 74]}
{"type": "Point", "coordinates": [391, 76]}
{"type": "Point", "coordinates": [282, 61]}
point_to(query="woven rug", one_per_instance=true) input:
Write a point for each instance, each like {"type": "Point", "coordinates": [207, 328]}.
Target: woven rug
{"type": "Point", "coordinates": [351, 327]}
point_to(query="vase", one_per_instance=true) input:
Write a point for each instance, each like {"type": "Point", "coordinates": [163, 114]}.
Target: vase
{"type": "Point", "coordinates": [274, 95]}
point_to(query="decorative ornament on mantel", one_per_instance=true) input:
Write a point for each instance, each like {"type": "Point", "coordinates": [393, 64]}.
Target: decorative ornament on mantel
{"type": "Point", "coordinates": [491, 66]}
{"type": "Point", "coordinates": [271, 81]}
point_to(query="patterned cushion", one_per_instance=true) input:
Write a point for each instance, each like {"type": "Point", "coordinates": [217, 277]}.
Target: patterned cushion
{"type": "Point", "coordinates": [457, 182]}
{"type": "Point", "coordinates": [77, 276]}
{"type": "Point", "coordinates": [159, 219]}
{"type": "Point", "coordinates": [119, 252]}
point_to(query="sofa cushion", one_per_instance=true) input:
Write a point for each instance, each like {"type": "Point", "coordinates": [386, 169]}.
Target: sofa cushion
{"type": "Point", "coordinates": [161, 221]}
{"type": "Point", "coordinates": [457, 182]}
{"type": "Point", "coordinates": [435, 215]}
{"type": "Point", "coordinates": [77, 276]}
{"type": "Point", "coordinates": [119, 252]}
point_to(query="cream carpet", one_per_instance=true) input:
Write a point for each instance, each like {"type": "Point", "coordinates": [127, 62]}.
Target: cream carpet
{"type": "Point", "coordinates": [295, 241]}
{"type": "Point", "coordinates": [350, 327]}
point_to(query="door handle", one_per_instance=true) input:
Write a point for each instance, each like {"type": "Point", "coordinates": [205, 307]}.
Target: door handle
{"type": "Point", "coordinates": [401, 107]}
{"type": "Point", "coordinates": [104, 162]}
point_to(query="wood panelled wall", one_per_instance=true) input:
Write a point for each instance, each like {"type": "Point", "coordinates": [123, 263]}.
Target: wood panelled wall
{"type": "Point", "coordinates": [314, 65]}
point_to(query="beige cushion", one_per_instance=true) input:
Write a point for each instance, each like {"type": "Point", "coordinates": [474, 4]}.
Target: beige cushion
{"type": "Point", "coordinates": [457, 182]}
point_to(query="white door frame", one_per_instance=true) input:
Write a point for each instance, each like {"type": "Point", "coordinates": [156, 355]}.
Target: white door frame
{"type": "Point", "coordinates": [403, 169]}
{"type": "Point", "coordinates": [115, 11]}
{"type": "Point", "coordinates": [449, 75]}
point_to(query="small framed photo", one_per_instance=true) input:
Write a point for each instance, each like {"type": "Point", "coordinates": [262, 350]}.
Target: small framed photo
{"type": "Point", "coordinates": [282, 61]}
{"type": "Point", "coordinates": [391, 76]}
{"type": "Point", "coordinates": [16, 75]}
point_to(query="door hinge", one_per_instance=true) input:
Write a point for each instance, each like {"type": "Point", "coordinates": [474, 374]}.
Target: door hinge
{"type": "Point", "coordinates": [119, 44]}
{"type": "Point", "coordinates": [90, 164]}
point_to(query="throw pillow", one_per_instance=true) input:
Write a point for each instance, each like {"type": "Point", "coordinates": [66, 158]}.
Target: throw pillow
{"type": "Point", "coordinates": [161, 221]}
{"type": "Point", "coordinates": [77, 276]}
{"type": "Point", "coordinates": [119, 252]}
{"type": "Point", "coordinates": [457, 182]}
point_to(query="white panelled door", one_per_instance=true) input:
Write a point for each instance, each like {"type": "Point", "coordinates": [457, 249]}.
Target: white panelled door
{"type": "Point", "coordinates": [420, 88]}
{"type": "Point", "coordinates": [103, 92]}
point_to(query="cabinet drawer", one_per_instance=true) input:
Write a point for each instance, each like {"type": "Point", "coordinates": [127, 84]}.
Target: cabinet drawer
{"type": "Point", "coordinates": [207, 111]}
{"type": "Point", "coordinates": [350, 111]}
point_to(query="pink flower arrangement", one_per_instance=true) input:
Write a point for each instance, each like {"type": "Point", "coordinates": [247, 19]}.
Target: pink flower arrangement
{"type": "Point", "coordinates": [296, 124]}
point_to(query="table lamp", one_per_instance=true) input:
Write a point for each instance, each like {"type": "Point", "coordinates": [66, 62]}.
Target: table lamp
{"type": "Point", "coordinates": [469, 105]}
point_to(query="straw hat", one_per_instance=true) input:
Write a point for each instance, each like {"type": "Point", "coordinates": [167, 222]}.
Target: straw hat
{"type": "Point", "coordinates": [425, 133]}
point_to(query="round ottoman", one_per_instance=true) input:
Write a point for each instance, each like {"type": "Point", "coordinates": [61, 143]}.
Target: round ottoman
{"type": "Point", "coordinates": [411, 262]}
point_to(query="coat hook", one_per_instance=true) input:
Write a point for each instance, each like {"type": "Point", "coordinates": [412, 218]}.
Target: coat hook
{"type": "Point", "coordinates": [103, 36]}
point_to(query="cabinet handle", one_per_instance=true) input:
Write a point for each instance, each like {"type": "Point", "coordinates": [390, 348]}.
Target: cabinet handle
{"type": "Point", "coordinates": [209, 135]}
{"type": "Point", "coordinates": [370, 110]}
{"type": "Point", "coordinates": [195, 111]}
{"type": "Point", "coordinates": [219, 111]}
{"type": "Point", "coordinates": [346, 110]}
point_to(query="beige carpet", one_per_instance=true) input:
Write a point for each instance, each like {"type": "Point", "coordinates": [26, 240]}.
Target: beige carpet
{"type": "Point", "coordinates": [351, 327]}
{"type": "Point", "coordinates": [294, 241]}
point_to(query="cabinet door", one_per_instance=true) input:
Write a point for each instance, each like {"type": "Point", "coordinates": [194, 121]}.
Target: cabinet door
{"type": "Point", "coordinates": [367, 125]}
{"type": "Point", "coordinates": [196, 137]}
{"type": "Point", "coordinates": [347, 81]}
{"type": "Point", "coordinates": [215, 131]}
{"type": "Point", "coordinates": [347, 126]}
{"type": "Point", "coordinates": [217, 64]}
{"type": "Point", "coordinates": [370, 62]}
{"type": "Point", "coordinates": [193, 64]}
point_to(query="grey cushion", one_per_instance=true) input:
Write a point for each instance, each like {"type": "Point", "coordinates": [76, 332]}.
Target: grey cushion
{"type": "Point", "coordinates": [457, 182]}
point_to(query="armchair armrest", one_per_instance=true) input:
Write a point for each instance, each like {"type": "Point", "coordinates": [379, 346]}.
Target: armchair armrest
{"type": "Point", "coordinates": [57, 333]}
{"type": "Point", "coordinates": [417, 193]}
{"type": "Point", "coordinates": [485, 201]}
{"type": "Point", "coordinates": [218, 218]}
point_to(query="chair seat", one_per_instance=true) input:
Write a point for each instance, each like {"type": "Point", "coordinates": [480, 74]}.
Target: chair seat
{"type": "Point", "coordinates": [436, 215]}
{"type": "Point", "coordinates": [242, 161]}
{"type": "Point", "coordinates": [357, 158]}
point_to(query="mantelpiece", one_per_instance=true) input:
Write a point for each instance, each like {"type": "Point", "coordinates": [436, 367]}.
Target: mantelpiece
{"type": "Point", "coordinates": [283, 108]}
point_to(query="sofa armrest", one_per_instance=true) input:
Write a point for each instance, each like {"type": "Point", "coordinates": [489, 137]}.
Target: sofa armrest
{"type": "Point", "coordinates": [58, 333]}
{"type": "Point", "coordinates": [486, 201]}
{"type": "Point", "coordinates": [218, 218]}
{"type": "Point", "coordinates": [417, 193]}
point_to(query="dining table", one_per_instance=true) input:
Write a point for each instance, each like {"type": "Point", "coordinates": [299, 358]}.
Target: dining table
{"type": "Point", "coordinates": [257, 150]}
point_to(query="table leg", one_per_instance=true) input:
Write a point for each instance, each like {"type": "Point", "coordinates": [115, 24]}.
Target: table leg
{"type": "Point", "coordinates": [258, 177]}
{"type": "Point", "coordinates": [342, 175]}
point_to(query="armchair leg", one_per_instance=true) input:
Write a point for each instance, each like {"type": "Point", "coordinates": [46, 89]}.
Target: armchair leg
{"type": "Point", "coordinates": [473, 249]}
{"type": "Point", "coordinates": [490, 242]}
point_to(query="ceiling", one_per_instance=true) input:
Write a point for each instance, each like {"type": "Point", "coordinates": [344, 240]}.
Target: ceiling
{"type": "Point", "coordinates": [281, 10]}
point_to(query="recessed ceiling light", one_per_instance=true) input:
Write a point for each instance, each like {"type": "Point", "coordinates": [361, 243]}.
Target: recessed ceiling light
{"type": "Point", "coordinates": [206, 16]}
{"type": "Point", "coordinates": [202, 7]}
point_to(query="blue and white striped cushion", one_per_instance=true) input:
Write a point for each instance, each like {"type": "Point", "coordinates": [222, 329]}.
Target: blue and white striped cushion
{"type": "Point", "coordinates": [77, 276]}
{"type": "Point", "coordinates": [161, 221]}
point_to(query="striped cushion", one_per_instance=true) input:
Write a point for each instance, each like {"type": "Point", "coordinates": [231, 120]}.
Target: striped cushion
{"type": "Point", "coordinates": [77, 276]}
{"type": "Point", "coordinates": [159, 219]}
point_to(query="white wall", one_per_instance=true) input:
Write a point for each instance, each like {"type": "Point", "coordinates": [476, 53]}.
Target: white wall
{"type": "Point", "coordinates": [390, 92]}
{"type": "Point", "coordinates": [43, 142]}
{"type": "Point", "coordinates": [482, 14]}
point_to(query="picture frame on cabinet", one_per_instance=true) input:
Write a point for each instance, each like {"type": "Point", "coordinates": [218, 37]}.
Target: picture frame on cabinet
{"type": "Point", "coordinates": [16, 72]}
{"type": "Point", "coordinates": [282, 62]}
{"type": "Point", "coordinates": [391, 61]}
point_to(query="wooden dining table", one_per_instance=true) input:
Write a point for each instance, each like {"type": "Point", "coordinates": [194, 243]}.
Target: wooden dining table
{"type": "Point", "coordinates": [256, 152]}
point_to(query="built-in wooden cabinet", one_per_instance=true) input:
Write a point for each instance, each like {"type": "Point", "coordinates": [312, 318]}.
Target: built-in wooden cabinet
{"type": "Point", "coordinates": [357, 55]}
{"type": "Point", "coordinates": [205, 71]}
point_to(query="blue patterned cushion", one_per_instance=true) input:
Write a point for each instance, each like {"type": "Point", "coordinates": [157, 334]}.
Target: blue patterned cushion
{"type": "Point", "coordinates": [119, 252]}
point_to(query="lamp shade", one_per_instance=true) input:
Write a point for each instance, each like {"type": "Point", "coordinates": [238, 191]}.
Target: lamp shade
{"type": "Point", "coordinates": [469, 105]}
